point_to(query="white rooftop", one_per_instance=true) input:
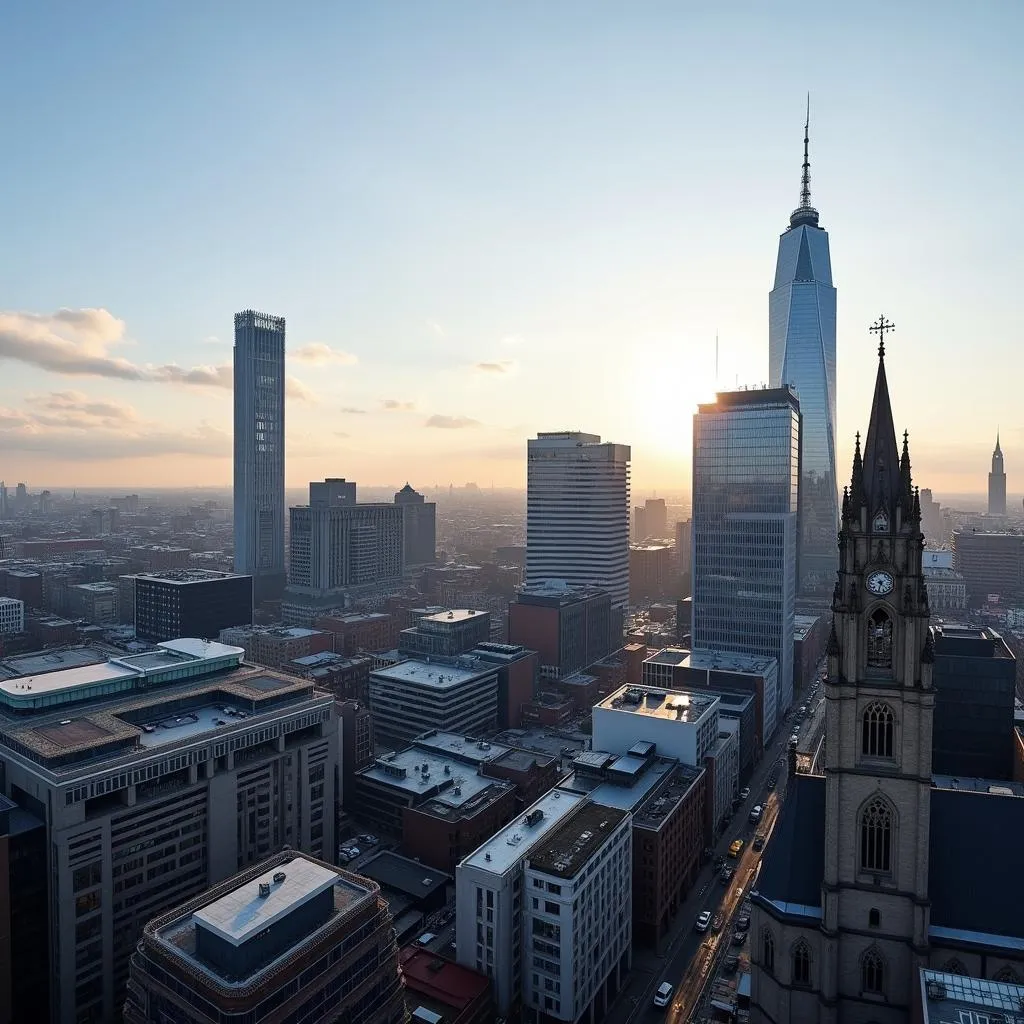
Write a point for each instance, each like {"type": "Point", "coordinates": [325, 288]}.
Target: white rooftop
{"type": "Point", "coordinates": [66, 679]}
{"type": "Point", "coordinates": [430, 674]}
{"type": "Point", "coordinates": [197, 648]}
{"type": "Point", "coordinates": [441, 772]}
{"type": "Point", "coordinates": [730, 661]}
{"type": "Point", "coordinates": [517, 838]}
{"type": "Point", "coordinates": [243, 913]}
{"type": "Point", "coordinates": [455, 615]}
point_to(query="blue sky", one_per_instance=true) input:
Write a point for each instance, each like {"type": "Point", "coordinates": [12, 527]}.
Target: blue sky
{"type": "Point", "coordinates": [484, 219]}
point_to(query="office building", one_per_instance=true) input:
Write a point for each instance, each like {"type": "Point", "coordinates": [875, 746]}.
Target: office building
{"type": "Point", "coordinates": [746, 475]}
{"type": "Point", "coordinates": [580, 933]}
{"type": "Point", "coordinates": [872, 872]}
{"type": "Point", "coordinates": [577, 512]}
{"type": "Point", "coordinates": [490, 892]}
{"type": "Point", "coordinates": [412, 696]}
{"type": "Point", "coordinates": [157, 775]}
{"type": "Point", "coordinates": [810, 635]}
{"type": "Point", "coordinates": [975, 679]}
{"type": "Point", "coordinates": [347, 677]}
{"type": "Point", "coordinates": [518, 669]}
{"type": "Point", "coordinates": [340, 549]}
{"type": "Point", "coordinates": [290, 939]}
{"type": "Point", "coordinates": [947, 590]}
{"type": "Point", "coordinates": [992, 565]}
{"type": "Point", "coordinates": [24, 916]}
{"type": "Point", "coordinates": [446, 634]}
{"type": "Point", "coordinates": [190, 602]}
{"type": "Point", "coordinates": [12, 615]}
{"type": "Point", "coordinates": [997, 483]}
{"type": "Point", "coordinates": [569, 627]}
{"type": "Point", "coordinates": [667, 802]}
{"type": "Point", "coordinates": [97, 603]}
{"type": "Point", "coordinates": [650, 571]}
{"type": "Point", "coordinates": [684, 546]}
{"type": "Point", "coordinates": [420, 526]}
{"type": "Point", "coordinates": [259, 451]}
{"type": "Point", "coordinates": [276, 646]}
{"type": "Point", "coordinates": [802, 357]}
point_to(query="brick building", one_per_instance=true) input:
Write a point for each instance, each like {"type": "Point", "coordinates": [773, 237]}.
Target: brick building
{"type": "Point", "coordinates": [456, 994]}
{"type": "Point", "coordinates": [273, 646]}
{"type": "Point", "coordinates": [365, 631]}
{"type": "Point", "coordinates": [346, 677]}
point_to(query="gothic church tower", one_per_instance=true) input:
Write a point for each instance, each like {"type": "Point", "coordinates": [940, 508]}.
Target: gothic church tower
{"type": "Point", "coordinates": [879, 704]}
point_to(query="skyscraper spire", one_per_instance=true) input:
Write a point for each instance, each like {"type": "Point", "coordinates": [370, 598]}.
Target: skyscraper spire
{"type": "Point", "coordinates": [805, 213]}
{"type": "Point", "coordinates": [998, 450]}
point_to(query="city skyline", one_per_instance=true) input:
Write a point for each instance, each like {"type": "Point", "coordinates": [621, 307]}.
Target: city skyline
{"type": "Point", "coordinates": [484, 224]}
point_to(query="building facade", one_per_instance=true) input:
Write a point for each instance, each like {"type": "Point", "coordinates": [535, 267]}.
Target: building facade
{"type": "Point", "coordinates": [12, 615]}
{"type": "Point", "coordinates": [285, 940]}
{"type": "Point", "coordinates": [259, 451]}
{"type": "Point", "coordinates": [746, 479]}
{"type": "Point", "coordinates": [802, 357]}
{"type": "Point", "coordinates": [991, 564]}
{"type": "Point", "coordinates": [157, 775]}
{"type": "Point", "coordinates": [191, 602]}
{"type": "Point", "coordinates": [997, 483]}
{"type": "Point", "coordinates": [420, 526]}
{"type": "Point", "coordinates": [577, 512]}
{"type": "Point", "coordinates": [446, 634]}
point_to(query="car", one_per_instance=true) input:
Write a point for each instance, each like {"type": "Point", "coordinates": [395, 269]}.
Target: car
{"type": "Point", "coordinates": [368, 838]}
{"type": "Point", "coordinates": [759, 842]}
{"type": "Point", "coordinates": [773, 780]}
{"type": "Point", "coordinates": [426, 939]}
{"type": "Point", "coordinates": [703, 921]}
{"type": "Point", "coordinates": [716, 925]}
{"type": "Point", "coordinates": [744, 792]}
{"type": "Point", "coordinates": [794, 739]}
{"type": "Point", "coordinates": [755, 814]}
{"type": "Point", "coordinates": [735, 848]}
{"type": "Point", "coordinates": [738, 938]}
{"type": "Point", "coordinates": [725, 875]}
{"type": "Point", "coordinates": [743, 923]}
{"type": "Point", "coordinates": [732, 961]}
{"type": "Point", "coordinates": [663, 996]}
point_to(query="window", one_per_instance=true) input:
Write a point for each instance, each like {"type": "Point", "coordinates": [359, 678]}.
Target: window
{"type": "Point", "coordinates": [874, 918]}
{"type": "Point", "coordinates": [551, 908]}
{"type": "Point", "coordinates": [954, 967]}
{"type": "Point", "coordinates": [876, 823]}
{"type": "Point", "coordinates": [1007, 974]}
{"type": "Point", "coordinates": [801, 963]}
{"type": "Point", "coordinates": [879, 639]}
{"type": "Point", "coordinates": [877, 730]}
{"type": "Point", "coordinates": [768, 951]}
{"type": "Point", "coordinates": [872, 971]}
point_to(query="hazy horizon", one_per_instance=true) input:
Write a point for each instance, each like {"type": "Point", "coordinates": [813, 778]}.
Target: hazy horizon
{"type": "Point", "coordinates": [485, 221]}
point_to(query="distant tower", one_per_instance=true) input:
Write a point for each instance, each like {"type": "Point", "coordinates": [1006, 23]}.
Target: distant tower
{"type": "Point", "coordinates": [420, 526]}
{"type": "Point", "coordinates": [259, 451]}
{"type": "Point", "coordinates": [997, 483]}
{"type": "Point", "coordinates": [802, 355]}
{"type": "Point", "coordinates": [577, 512]}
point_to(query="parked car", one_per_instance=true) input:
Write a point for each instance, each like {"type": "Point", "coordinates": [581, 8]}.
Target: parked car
{"type": "Point", "coordinates": [759, 842]}
{"type": "Point", "coordinates": [773, 780]}
{"type": "Point", "coordinates": [716, 925]}
{"type": "Point", "coordinates": [738, 938]}
{"type": "Point", "coordinates": [755, 814]}
{"type": "Point", "coordinates": [744, 792]}
{"type": "Point", "coordinates": [735, 847]}
{"type": "Point", "coordinates": [703, 921]}
{"type": "Point", "coordinates": [732, 961]}
{"type": "Point", "coordinates": [368, 838]}
{"type": "Point", "coordinates": [725, 875]}
{"type": "Point", "coordinates": [743, 923]}
{"type": "Point", "coordinates": [426, 939]}
{"type": "Point", "coordinates": [663, 996]}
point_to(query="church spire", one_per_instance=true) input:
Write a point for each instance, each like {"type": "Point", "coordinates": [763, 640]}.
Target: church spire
{"type": "Point", "coordinates": [805, 213]}
{"type": "Point", "coordinates": [882, 475]}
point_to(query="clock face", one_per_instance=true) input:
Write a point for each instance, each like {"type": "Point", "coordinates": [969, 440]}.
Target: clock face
{"type": "Point", "coordinates": [879, 583]}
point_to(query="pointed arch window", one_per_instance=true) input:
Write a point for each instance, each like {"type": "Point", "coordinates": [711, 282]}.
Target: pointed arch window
{"type": "Point", "coordinates": [801, 963]}
{"type": "Point", "coordinates": [767, 951]}
{"type": "Point", "coordinates": [872, 971]}
{"type": "Point", "coordinates": [876, 829]}
{"type": "Point", "coordinates": [954, 967]}
{"type": "Point", "coordinates": [877, 727]}
{"type": "Point", "coordinates": [1007, 974]}
{"type": "Point", "coordinates": [880, 639]}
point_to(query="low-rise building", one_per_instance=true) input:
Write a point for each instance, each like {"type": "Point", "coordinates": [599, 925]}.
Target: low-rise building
{"type": "Point", "coordinates": [273, 646]}
{"type": "Point", "coordinates": [12, 615]}
{"type": "Point", "coordinates": [517, 668]}
{"type": "Point", "coordinates": [446, 634]}
{"type": "Point", "coordinates": [360, 631]}
{"type": "Point", "coordinates": [346, 676]}
{"type": "Point", "coordinates": [437, 989]}
{"type": "Point", "coordinates": [413, 696]}
{"type": "Point", "coordinates": [277, 942]}
{"type": "Point", "coordinates": [95, 602]}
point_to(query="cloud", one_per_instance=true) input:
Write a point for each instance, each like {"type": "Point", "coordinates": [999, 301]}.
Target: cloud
{"type": "Point", "coordinates": [318, 352]}
{"type": "Point", "coordinates": [352, 410]}
{"type": "Point", "coordinates": [341, 433]}
{"type": "Point", "coordinates": [78, 343]}
{"type": "Point", "coordinates": [294, 388]}
{"type": "Point", "coordinates": [504, 366]}
{"type": "Point", "coordinates": [512, 340]}
{"type": "Point", "coordinates": [78, 411]}
{"type": "Point", "coordinates": [436, 329]}
{"type": "Point", "coordinates": [394, 405]}
{"type": "Point", "coordinates": [451, 422]}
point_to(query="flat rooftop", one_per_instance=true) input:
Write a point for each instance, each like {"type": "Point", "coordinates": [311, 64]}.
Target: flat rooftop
{"type": "Point", "coordinates": [465, 748]}
{"type": "Point", "coordinates": [730, 661]}
{"type": "Point", "coordinates": [431, 674]}
{"type": "Point", "coordinates": [51, 661]}
{"type": "Point", "coordinates": [565, 850]}
{"type": "Point", "coordinates": [184, 576]}
{"type": "Point", "coordinates": [672, 705]}
{"type": "Point", "coordinates": [625, 792]}
{"type": "Point", "coordinates": [243, 913]}
{"type": "Point", "coordinates": [393, 871]}
{"type": "Point", "coordinates": [669, 656]}
{"type": "Point", "coordinates": [512, 842]}
{"type": "Point", "coordinates": [455, 615]}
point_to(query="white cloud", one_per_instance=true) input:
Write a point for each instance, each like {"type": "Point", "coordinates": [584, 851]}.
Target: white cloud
{"type": "Point", "coordinates": [318, 352]}
{"type": "Point", "coordinates": [394, 405]}
{"type": "Point", "coordinates": [451, 422]}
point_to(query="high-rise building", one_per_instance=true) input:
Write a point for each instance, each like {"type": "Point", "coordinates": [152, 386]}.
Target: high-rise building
{"type": "Point", "coordinates": [746, 476]}
{"type": "Point", "coordinates": [290, 939]}
{"type": "Point", "coordinates": [259, 451]}
{"type": "Point", "coordinates": [190, 602]}
{"type": "Point", "coordinates": [997, 483]}
{"type": "Point", "coordinates": [990, 564]}
{"type": "Point", "coordinates": [656, 514]}
{"type": "Point", "coordinates": [802, 356]}
{"type": "Point", "coordinates": [420, 526]}
{"type": "Point", "coordinates": [157, 775]}
{"type": "Point", "coordinates": [577, 512]}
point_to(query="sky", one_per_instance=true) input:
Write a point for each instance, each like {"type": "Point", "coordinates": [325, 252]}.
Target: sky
{"type": "Point", "coordinates": [485, 219]}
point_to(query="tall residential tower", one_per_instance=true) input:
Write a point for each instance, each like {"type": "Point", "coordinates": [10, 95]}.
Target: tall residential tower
{"type": "Point", "coordinates": [259, 451]}
{"type": "Point", "coordinates": [577, 512]}
{"type": "Point", "coordinates": [997, 484]}
{"type": "Point", "coordinates": [802, 356]}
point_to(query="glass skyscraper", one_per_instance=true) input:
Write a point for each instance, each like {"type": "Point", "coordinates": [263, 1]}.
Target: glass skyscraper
{"type": "Point", "coordinates": [746, 473]}
{"type": "Point", "coordinates": [802, 356]}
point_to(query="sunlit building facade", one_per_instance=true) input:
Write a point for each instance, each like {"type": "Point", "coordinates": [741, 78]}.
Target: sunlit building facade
{"type": "Point", "coordinates": [746, 475]}
{"type": "Point", "coordinates": [802, 356]}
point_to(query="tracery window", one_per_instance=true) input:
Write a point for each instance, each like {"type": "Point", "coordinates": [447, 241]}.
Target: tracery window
{"type": "Point", "coordinates": [801, 963]}
{"type": "Point", "coordinates": [872, 971]}
{"type": "Point", "coordinates": [954, 967]}
{"type": "Point", "coordinates": [877, 730]}
{"type": "Point", "coordinates": [876, 829]}
{"type": "Point", "coordinates": [880, 639]}
{"type": "Point", "coordinates": [768, 951]}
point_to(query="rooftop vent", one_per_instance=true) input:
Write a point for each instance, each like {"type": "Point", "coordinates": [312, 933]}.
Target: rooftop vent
{"type": "Point", "coordinates": [279, 877]}
{"type": "Point", "coordinates": [487, 856]}
{"type": "Point", "coordinates": [426, 882]}
{"type": "Point", "coordinates": [457, 791]}
{"type": "Point", "coordinates": [534, 816]}
{"type": "Point", "coordinates": [447, 769]}
{"type": "Point", "coordinates": [264, 890]}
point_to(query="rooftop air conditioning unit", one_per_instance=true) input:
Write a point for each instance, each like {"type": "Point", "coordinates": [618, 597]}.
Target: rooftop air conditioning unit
{"type": "Point", "coordinates": [279, 877]}
{"type": "Point", "coordinates": [264, 890]}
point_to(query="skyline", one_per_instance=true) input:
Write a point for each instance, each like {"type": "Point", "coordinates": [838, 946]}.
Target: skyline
{"type": "Point", "coordinates": [483, 224]}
